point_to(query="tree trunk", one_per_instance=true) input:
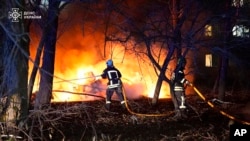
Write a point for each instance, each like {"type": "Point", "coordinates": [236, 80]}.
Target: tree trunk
{"type": "Point", "coordinates": [15, 66]}
{"type": "Point", "coordinates": [222, 79]}
{"type": "Point", "coordinates": [162, 75]}
{"type": "Point", "coordinates": [224, 60]}
{"type": "Point", "coordinates": [35, 67]}
{"type": "Point", "coordinates": [44, 94]}
{"type": "Point", "coordinates": [158, 87]}
{"type": "Point", "coordinates": [177, 32]}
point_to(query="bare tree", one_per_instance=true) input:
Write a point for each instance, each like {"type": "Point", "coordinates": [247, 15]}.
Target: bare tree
{"type": "Point", "coordinates": [225, 17]}
{"type": "Point", "coordinates": [14, 63]}
{"type": "Point", "coordinates": [47, 47]}
{"type": "Point", "coordinates": [176, 27]}
{"type": "Point", "coordinates": [47, 70]}
{"type": "Point", "coordinates": [168, 25]}
{"type": "Point", "coordinates": [224, 59]}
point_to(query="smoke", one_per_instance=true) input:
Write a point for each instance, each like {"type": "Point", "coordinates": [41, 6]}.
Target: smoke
{"type": "Point", "coordinates": [80, 57]}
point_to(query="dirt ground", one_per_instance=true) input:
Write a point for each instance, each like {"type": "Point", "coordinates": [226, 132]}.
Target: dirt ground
{"type": "Point", "coordinates": [93, 122]}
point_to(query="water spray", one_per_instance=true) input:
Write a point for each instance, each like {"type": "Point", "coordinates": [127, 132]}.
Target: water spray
{"type": "Point", "coordinates": [70, 80]}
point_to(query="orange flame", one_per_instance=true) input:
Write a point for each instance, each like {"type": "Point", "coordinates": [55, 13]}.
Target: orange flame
{"type": "Point", "coordinates": [138, 80]}
{"type": "Point", "coordinates": [79, 61]}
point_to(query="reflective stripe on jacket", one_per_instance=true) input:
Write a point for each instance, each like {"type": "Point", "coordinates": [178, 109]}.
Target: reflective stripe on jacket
{"type": "Point", "coordinates": [113, 76]}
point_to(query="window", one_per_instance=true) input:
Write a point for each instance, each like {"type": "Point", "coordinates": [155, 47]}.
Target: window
{"type": "Point", "coordinates": [208, 60]}
{"type": "Point", "coordinates": [240, 31]}
{"type": "Point", "coordinates": [237, 3]}
{"type": "Point", "coordinates": [208, 31]}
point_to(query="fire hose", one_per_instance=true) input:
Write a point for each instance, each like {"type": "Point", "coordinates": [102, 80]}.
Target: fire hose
{"type": "Point", "coordinates": [142, 114]}
{"type": "Point", "coordinates": [201, 96]}
{"type": "Point", "coordinates": [167, 114]}
{"type": "Point", "coordinates": [217, 109]}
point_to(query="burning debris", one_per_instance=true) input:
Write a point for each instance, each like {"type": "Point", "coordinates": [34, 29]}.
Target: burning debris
{"type": "Point", "coordinates": [73, 65]}
{"type": "Point", "coordinates": [87, 88]}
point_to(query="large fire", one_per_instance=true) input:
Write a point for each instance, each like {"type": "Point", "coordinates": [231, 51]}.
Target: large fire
{"type": "Point", "coordinates": [77, 71]}
{"type": "Point", "coordinates": [75, 76]}
{"type": "Point", "coordinates": [80, 61]}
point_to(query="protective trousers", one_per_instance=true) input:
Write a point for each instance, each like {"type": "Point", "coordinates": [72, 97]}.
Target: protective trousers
{"type": "Point", "coordinates": [109, 94]}
{"type": "Point", "coordinates": [178, 98]}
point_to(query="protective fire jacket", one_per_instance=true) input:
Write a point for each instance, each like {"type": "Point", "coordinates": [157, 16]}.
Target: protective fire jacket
{"type": "Point", "coordinates": [178, 78]}
{"type": "Point", "coordinates": [113, 76]}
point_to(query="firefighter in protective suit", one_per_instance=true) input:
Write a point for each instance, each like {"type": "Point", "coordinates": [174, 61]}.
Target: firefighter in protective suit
{"type": "Point", "coordinates": [178, 89]}
{"type": "Point", "coordinates": [114, 84]}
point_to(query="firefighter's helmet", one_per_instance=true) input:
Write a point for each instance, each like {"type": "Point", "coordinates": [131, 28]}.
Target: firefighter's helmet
{"type": "Point", "coordinates": [109, 63]}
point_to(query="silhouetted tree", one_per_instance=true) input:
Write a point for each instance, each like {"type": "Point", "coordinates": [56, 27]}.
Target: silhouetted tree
{"type": "Point", "coordinates": [14, 62]}
{"type": "Point", "coordinates": [44, 94]}
{"type": "Point", "coordinates": [171, 27]}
